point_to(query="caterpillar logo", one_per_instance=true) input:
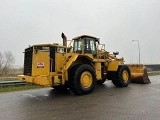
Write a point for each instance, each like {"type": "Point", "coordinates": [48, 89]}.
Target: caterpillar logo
{"type": "Point", "coordinates": [40, 64]}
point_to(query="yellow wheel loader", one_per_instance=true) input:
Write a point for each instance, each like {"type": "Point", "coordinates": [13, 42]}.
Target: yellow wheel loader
{"type": "Point", "coordinates": [80, 66]}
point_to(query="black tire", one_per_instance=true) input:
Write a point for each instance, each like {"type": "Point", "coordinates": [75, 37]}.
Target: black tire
{"type": "Point", "coordinates": [71, 78]}
{"type": "Point", "coordinates": [77, 79]}
{"type": "Point", "coordinates": [102, 80]}
{"type": "Point", "coordinates": [60, 87]}
{"type": "Point", "coordinates": [104, 76]}
{"type": "Point", "coordinates": [110, 75]}
{"type": "Point", "coordinates": [122, 76]}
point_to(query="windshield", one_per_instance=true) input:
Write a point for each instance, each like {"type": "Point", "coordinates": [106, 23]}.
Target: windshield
{"type": "Point", "coordinates": [88, 47]}
{"type": "Point", "coordinates": [90, 44]}
{"type": "Point", "coordinates": [78, 45]}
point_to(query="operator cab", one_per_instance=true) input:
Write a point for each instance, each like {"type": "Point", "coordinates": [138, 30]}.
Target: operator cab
{"type": "Point", "coordinates": [85, 45]}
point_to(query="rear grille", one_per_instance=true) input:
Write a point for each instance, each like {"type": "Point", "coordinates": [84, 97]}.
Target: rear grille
{"type": "Point", "coordinates": [52, 59]}
{"type": "Point", "coordinates": [28, 61]}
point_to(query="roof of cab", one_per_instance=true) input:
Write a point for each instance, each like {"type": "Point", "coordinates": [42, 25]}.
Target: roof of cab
{"type": "Point", "coordinates": [82, 36]}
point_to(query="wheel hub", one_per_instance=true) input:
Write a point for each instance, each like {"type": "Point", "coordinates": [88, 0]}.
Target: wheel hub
{"type": "Point", "coordinates": [125, 76]}
{"type": "Point", "coordinates": [86, 79]}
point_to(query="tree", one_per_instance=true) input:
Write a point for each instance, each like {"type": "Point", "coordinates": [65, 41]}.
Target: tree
{"type": "Point", "coordinates": [6, 61]}
{"type": "Point", "coordinates": [1, 61]}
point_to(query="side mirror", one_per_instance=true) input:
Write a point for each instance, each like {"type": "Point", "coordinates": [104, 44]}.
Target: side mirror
{"type": "Point", "coordinates": [97, 40]}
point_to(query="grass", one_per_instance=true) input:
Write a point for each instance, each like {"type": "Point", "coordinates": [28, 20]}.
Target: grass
{"type": "Point", "coordinates": [20, 87]}
{"type": "Point", "coordinates": [7, 78]}
{"type": "Point", "coordinates": [154, 73]}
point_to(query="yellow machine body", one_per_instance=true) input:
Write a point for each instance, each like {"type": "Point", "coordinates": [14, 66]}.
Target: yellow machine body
{"type": "Point", "coordinates": [57, 65]}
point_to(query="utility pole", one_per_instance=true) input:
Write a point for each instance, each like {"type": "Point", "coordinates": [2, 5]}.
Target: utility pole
{"type": "Point", "coordinates": [138, 50]}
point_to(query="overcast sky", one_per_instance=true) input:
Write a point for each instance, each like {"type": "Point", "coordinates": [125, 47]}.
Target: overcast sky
{"type": "Point", "coordinates": [115, 22]}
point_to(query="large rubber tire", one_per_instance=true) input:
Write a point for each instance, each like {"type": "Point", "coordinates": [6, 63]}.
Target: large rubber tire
{"type": "Point", "coordinates": [60, 87]}
{"type": "Point", "coordinates": [104, 76]}
{"type": "Point", "coordinates": [102, 81]}
{"type": "Point", "coordinates": [122, 76]}
{"type": "Point", "coordinates": [82, 79]}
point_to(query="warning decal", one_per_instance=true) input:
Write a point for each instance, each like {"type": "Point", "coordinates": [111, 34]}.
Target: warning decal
{"type": "Point", "coordinates": [40, 64]}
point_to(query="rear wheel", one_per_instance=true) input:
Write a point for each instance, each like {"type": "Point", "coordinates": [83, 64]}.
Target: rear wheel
{"type": "Point", "coordinates": [122, 76]}
{"type": "Point", "coordinates": [102, 80]}
{"type": "Point", "coordinates": [60, 87]}
{"type": "Point", "coordinates": [104, 76]}
{"type": "Point", "coordinates": [82, 80]}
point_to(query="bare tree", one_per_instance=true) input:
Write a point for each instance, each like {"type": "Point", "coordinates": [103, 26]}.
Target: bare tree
{"type": "Point", "coordinates": [1, 60]}
{"type": "Point", "coordinates": [6, 61]}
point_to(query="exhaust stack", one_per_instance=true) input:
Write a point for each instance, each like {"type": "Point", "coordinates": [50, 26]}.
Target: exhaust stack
{"type": "Point", "coordinates": [64, 39]}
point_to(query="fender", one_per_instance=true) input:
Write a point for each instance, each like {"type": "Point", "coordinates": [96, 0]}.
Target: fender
{"type": "Point", "coordinates": [113, 65]}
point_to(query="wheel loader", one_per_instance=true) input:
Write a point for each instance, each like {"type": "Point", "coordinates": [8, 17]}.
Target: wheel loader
{"type": "Point", "coordinates": [78, 66]}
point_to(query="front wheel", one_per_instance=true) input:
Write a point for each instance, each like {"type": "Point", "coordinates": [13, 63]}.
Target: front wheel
{"type": "Point", "coordinates": [122, 76]}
